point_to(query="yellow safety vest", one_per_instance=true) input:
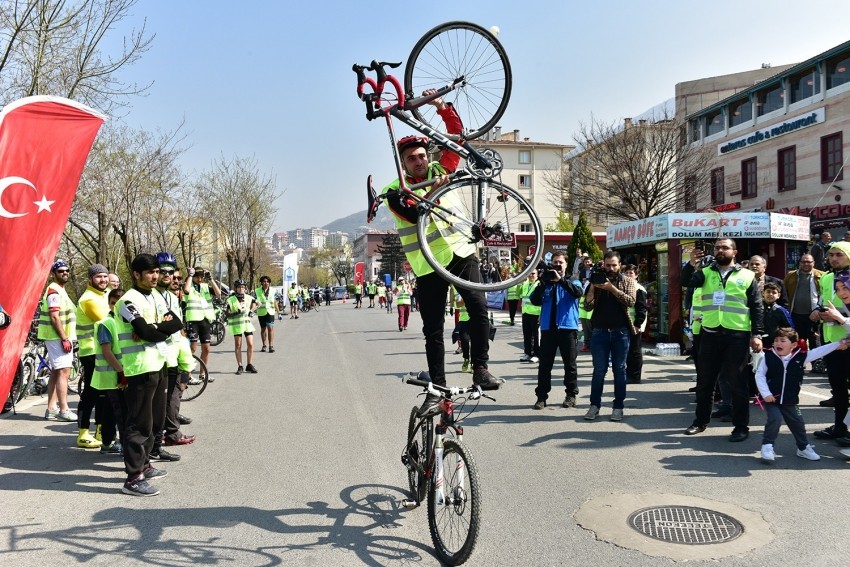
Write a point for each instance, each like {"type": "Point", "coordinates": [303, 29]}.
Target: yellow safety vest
{"type": "Point", "coordinates": [238, 321]}
{"type": "Point", "coordinates": [199, 304]}
{"type": "Point", "coordinates": [443, 240]}
{"type": "Point", "coordinates": [832, 332]}
{"type": "Point", "coordinates": [67, 316]}
{"type": "Point", "coordinates": [730, 309]}
{"type": "Point", "coordinates": [105, 377]}
{"type": "Point", "coordinates": [140, 356]}
{"type": "Point", "coordinates": [526, 289]}
{"type": "Point", "coordinates": [266, 305]}
{"type": "Point", "coordinates": [515, 292]}
{"type": "Point", "coordinates": [172, 303]}
{"type": "Point", "coordinates": [696, 311]}
{"type": "Point", "coordinates": [403, 297]}
{"type": "Point", "coordinates": [85, 326]}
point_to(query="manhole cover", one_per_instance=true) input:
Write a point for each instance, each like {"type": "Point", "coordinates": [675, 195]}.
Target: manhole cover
{"type": "Point", "coordinates": [685, 524]}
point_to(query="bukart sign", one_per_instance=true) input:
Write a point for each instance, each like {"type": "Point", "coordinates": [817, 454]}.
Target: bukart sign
{"type": "Point", "coordinates": [765, 134]}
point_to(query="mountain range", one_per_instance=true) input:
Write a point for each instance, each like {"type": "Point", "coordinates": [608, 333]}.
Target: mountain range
{"type": "Point", "coordinates": [356, 223]}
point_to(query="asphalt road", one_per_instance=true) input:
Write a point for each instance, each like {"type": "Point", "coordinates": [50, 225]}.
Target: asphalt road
{"type": "Point", "coordinates": [299, 465]}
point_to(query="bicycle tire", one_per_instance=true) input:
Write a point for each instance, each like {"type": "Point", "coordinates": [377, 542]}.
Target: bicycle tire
{"type": "Point", "coordinates": [416, 480]}
{"type": "Point", "coordinates": [508, 210]}
{"type": "Point", "coordinates": [198, 383]}
{"type": "Point", "coordinates": [217, 332]}
{"type": "Point", "coordinates": [28, 371]}
{"type": "Point", "coordinates": [75, 379]}
{"type": "Point", "coordinates": [457, 49]}
{"type": "Point", "coordinates": [454, 525]}
{"type": "Point", "coordinates": [14, 389]}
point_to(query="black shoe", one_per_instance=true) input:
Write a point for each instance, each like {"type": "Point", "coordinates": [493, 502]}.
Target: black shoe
{"type": "Point", "coordinates": [539, 404]}
{"type": "Point", "coordinates": [739, 435]}
{"type": "Point", "coordinates": [250, 368]}
{"type": "Point", "coordinates": [263, 349]}
{"type": "Point", "coordinates": [830, 403]}
{"type": "Point", "coordinates": [829, 433]}
{"type": "Point", "coordinates": [721, 412]}
{"type": "Point", "coordinates": [569, 401]}
{"type": "Point", "coordinates": [482, 377]}
{"type": "Point", "coordinates": [843, 441]}
{"type": "Point", "coordinates": [240, 370]}
{"type": "Point", "coordinates": [694, 429]}
{"type": "Point", "coordinates": [163, 455]}
{"type": "Point", "coordinates": [692, 389]}
{"type": "Point", "coordinates": [633, 381]}
{"type": "Point", "coordinates": [431, 406]}
{"type": "Point", "coordinates": [183, 420]}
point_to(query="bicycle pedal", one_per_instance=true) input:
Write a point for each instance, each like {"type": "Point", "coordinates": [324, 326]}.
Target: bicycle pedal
{"type": "Point", "coordinates": [409, 504]}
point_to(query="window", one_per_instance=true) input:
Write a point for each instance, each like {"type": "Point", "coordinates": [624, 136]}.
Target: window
{"type": "Point", "coordinates": [525, 156]}
{"type": "Point", "coordinates": [786, 162]}
{"type": "Point", "coordinates": [690, 189]}
{"type": "Point", "coordinates": [805, 85]}
{"type": "Point", "coordinates": [749, 178]}
{"type": "Point", "coordinates": [740, 111]}
{"type": "Point", "coordinates": [525, 227]}
{"type": "Point", "coordinates": [718, 189]}
{"type": "Point", "coordinates": [838, 71]}
{"type": "Point", "coordinates": [694, 126]}
{"type": "Point", "coordinates": [831, 158]}
{"type": "Point", "coordinates": [770, 99]}
{"type": "Point", "coordinates": [714, 122]}
{"type": "Point", "coordinates": [525, 181]}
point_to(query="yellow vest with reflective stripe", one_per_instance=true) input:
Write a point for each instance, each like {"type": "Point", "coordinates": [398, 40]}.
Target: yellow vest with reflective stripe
{"type": "Point", "coordinates": [172, 303]}
{"type": "Point", "coordinates": [525, 291]}
{"type": "Point", "coordinates": [463, 314]}
{"type": "Point", "coordinates": [266, 305]}
{"type": "Point", "coordinates": [832, 332]}
{"type": "Point", "coordinates": [140, 356]}
{"type": "Point", "coordinates": [403, 297]}
{"type": "Point", "coordinates": [733, 313]}
{"type": "Point", "coordinates": [696, 311]}
{"type": "Point", "coordinates": [85, 326]}
{"type": "Point", "coordinates": [195, 300]}
{"type": "Point", "coordinates": [444, 241]}
{"type": "Point", "coordinates": [582, 312]}
{"type": "Point", "coordinates": [515, 292]}
{"type": "Point", "coordinates": [105, 377]}
{"type": "Point", "coordinates": [238, 321]}
{"type": "Point", "coordinates": [67, 315]}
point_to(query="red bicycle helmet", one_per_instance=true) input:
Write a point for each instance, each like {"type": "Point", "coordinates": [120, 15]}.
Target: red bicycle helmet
{"type": "Point", "coordinates": [412, 142]}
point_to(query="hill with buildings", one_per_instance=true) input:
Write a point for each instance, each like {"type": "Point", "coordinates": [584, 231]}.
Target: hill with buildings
{"type": "Point", "coordinates": [356, 223]}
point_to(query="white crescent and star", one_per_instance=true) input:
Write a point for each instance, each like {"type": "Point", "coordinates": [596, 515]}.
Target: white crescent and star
{"type": "Point", "coordinates": [6, 182]}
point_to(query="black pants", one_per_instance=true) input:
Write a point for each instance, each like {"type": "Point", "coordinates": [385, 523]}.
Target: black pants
{"type": "Point", "coordinates": [145, 398]}
{"type": "Point", "coordinates": [565, 340]}
{"type": "Point", "coordinates": [530, 334]}
{"type": "Point", "coordinates": [431, 292]}
{"type": "Point", "coordinates": [837, 369]}
{"type": "Point", "coordinates": [462, 329]}
{"type": "Point", "coordinates": [90, 398]}
{"type": "Point", "coordinates": [512, 305]}
{"type": "Point", "coordinates": [118, 407]}
{"type": "Point", "coordinates": [634, 359]}
{"type": "Point", "coordinates": [806, 328]}
{"type": "Point", "coordinates": [171, 427]}
{"type": "Point", "coordinates": [724, 354]}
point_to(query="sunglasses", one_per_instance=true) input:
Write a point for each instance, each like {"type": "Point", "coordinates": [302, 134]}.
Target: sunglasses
{"type": "Point", "coordinates": [63, 271]}
{"type": "Point", "coordinates": [166, 272]}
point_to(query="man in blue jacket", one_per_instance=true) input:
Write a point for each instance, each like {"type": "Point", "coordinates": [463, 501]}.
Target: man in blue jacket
{"type": "Point", "coordinates": [558, 297]}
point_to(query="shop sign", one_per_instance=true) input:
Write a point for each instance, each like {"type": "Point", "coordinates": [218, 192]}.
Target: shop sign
{"type": "Point", "coordinates": [636, 232]}
{"type": "Point", "coordinates": [716, 225]}
{"type": "Point", "coordinates": [789, 227]}
{"type": "Point", "coordinates": [764, 134]}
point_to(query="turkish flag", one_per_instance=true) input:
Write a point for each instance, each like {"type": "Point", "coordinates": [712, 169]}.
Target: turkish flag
{"type": "Point", "coordinates": [44, 144]}
{"type": "Point", "coordinates": [359, 272]}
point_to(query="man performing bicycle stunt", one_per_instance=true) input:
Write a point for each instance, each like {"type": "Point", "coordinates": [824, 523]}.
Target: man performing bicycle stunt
{"type": "Point", "coordinates": [431, 288]}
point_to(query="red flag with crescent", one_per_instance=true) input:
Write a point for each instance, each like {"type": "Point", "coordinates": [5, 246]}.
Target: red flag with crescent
{"type": "Point", "coordinates": [44, 144]}
{"type": "Point", "coordinates": [360, 273]}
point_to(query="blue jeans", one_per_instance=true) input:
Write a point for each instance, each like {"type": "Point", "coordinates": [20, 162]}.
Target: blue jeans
{"type": "Point", "coordinates": [605, 343]}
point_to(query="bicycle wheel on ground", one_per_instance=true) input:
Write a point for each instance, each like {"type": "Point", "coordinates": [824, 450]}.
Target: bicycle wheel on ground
{"type": "Point", "coordinates": [457, 218]}
{"type": "Point", "coordinates": [75, 380]}
{"type": "Point", "coordinates": [198, 380]}
{"type": "Point", "coordinates": [217, 332]}
{"type": "Point", "coordinates": [454, 523]}
{"type": "Point", "coordinates": [461, 49]}
{"type": "Point", "coordinates": [27, 370]}
{"type": "Point", "coordinates": [418, 456]}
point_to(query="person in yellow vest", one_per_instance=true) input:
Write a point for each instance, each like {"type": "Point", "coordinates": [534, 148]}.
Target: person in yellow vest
{"type": "Point", "coordinates": [57, 327]}
{"type": "Point", "coordinates": [371, 290]}
{"type": "Point", "coordinates": [452, 251]}
{"type": "Point", "coordinates": [462, 330]}
{"type": "Point", "coordinates": [584, 317]}
{"type": "Point", "coordinates": [144, 325]}
{"type": "Point", "coordinates": [838, 362]}
{"type": "Point", "coordinates": [514, 294]}
{"type": "Point", "coordinates": [292, 295]}
{"type": "Point", "coordinates": [168, 431]}
{"type": "Point", "coordinates": [402, 301]}
{"type": "Point", "coordinates": [198, 291]}
{"type": "Point", "coordinates": [530, 320]}
{"type": "Point", "coordinates": [732, 324]}
{"type": "Point", "coordinates": [265, 313]}
{"type": "Point", "coordinates": [240, 310]}
{"type": "Point", "coordinates": [358, 295]}
{"type": "Point", "coordinates": [637, 313]}
{"type": "Point", "coordinates": [107, 375]}
{"type": "Point", "coordinates": [92, 307]}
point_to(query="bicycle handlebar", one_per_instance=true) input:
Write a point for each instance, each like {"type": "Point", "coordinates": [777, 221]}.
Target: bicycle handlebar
{"type": "Point", "coordinates": [415, 379]}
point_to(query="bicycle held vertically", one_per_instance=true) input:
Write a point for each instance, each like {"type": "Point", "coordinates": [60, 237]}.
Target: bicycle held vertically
{"type": "Point", "coordinates": [468, 67]}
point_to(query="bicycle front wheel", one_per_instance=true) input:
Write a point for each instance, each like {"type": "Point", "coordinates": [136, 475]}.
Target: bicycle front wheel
{"type": "Point", "coordinates": [198, 380]}
{"type": "Point", "coordinates": [75, 380]}
{"type": "Point", "coordinates": [454, 522]}
{"type": "Point", "coordinates": [418, 455]}
{"type": "Point", "coordinates": [217, 332]}
{"type": "Point", "coordinates": [456, 220]}
{"type": "Point", "coordinates": [28, 372]}
{"type": "Point", "coordinates": [461, 49]}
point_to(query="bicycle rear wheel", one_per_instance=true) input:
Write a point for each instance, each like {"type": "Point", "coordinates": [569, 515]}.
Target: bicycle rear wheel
{"type": "Point", "coordinates": [461, 49]}
{"type": "Point", "coordinates": [457, 218]}
{"type": "Point", "coordinates": [217, 332]}
{"type": "Point", "coordinates": [199, 378]}
{"type": "Point", "coordinates": [75, 380]}
{"type": "Point", "coordinates": [28, 371]}
{"type": "Point", "coordinates": [454, 523]}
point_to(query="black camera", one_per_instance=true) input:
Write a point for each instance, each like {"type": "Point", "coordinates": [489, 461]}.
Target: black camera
{"type": "Point", "coordinates": [598, 275]}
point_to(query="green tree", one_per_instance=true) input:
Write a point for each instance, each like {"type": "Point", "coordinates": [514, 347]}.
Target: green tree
{"type": "Point", "coordinates": [583, 240]}
{"type": "Point", "coordinates": [562, 224]}
{"type": "Point", "coordinates": [392, 255]}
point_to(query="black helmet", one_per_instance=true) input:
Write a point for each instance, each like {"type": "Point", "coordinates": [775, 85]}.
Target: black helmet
{"type": "Point", "coordinates": [237, 283]}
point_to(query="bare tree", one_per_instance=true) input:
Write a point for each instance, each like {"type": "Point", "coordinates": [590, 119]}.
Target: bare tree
{"type": "Point", "coordinates": [631, 172]}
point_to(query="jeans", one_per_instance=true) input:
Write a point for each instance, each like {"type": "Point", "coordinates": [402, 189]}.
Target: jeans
{"type": "Point", "coordinates": [565, 340]}
{"type": "Point", "coordinates": [605, 343]}
{"type": "Point", "coordinates": [793, 419]}
{"type": "Point", "coordinates": [724, 355]}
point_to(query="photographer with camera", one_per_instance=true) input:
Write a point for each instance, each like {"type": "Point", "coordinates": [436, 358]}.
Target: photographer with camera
{"type": "Point", "coordinates": [199, 308]}
{"type": "Point", "coordinates": [610, 295]}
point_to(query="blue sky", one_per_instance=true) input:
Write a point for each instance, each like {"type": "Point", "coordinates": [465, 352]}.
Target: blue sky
{"type": "Point", "coordinates": [273, 80]}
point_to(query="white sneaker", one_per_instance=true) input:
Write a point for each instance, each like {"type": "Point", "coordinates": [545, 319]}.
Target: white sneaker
{"type": "Point", "coordinates": [534, 360]}
{"type": "Point", "coordinates": [66, 415]}
{"type": "Point", "coordinates": [845, 452]}
{"type": "Point", "coordinates": [808, 453]}
{"type": "Point", "coordinates": [592, 413]}
{"type": "Point", "coordinates": [767, 454]}
{"type": "Point", "coordinates": [51, 414]}
{"type": "Point", "coordinates": [524, 358]}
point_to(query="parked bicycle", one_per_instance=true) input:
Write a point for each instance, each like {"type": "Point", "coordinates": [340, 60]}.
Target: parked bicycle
{"type": "Point", "coordinates": [469, 68]}
{"type": "Point", "coordinates": [196, 381]}
{"type": "Point", "coordinates": [442, 469]}
{"type": "Point", "coordinates": [218, 326]}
